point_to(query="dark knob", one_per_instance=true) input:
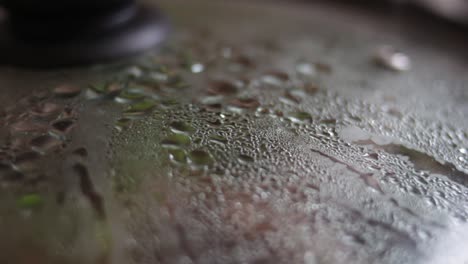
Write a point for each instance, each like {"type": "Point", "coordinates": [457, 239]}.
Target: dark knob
{"type": "Point", "coordinates": [51, 33]}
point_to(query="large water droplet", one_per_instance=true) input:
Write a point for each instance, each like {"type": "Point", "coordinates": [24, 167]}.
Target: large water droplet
{"type": "Point", "coordinates": [129, 95]}
{"type": "Point", "coordinates": [67, 90]}
{"type": "Point", "coordinates": [217, 139]}
{"type": "Point", "coordinates": [222, 88]}
{"type": "Point", "coordinates": [45, 143]}
{"type": "Point", "coordinates": [299, 117]}
{"type": "Point", "coordinates": [197, 68]}
{"type": "Point", "coordinates": [245, 159]}
{"type": "Point", "coordinates": [389, 58]}
{"type": "Point", "coordinates": [181, 127]}
{"type": "Point", "coordinates": [200, 158]}
{"type": "Point", "coordinates": [178, 155]}
{"type": "Point", "coordinates": [46, 109]}
{"type": "Point", "coordinates": [305, 69]}
{"type": "Point", "coordinates": [246, 103]}
{"type": "Point", "coordinates": [27, 126]}
{"type": "Point", "coordinates": [26, 161]}
{"type": "Point", "coordinates": [123, 123]}
{"type": "Point", "coordinates": [176, 140]}
{"type": "Point", "coordinates": [63, 126]}
{"type": "Point", "coordinates": [30, 201]}
{"type": "Point", "coordinates": [140, 107]}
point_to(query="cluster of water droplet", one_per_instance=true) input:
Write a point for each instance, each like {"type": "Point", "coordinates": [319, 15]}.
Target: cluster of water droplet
{"type": "Point", "coordinates": [218, 156]}
{"type": "Point", "coordinates": [269, 164]}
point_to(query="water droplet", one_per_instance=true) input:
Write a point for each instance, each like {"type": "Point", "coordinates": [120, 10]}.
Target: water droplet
{"type": "Point", "coordinates": [45, 109]}
{"type": "Point", "coordinates": [276, 78]}
{"type": "Point", "coordinates": [394, 112]}
{"type": "Point", "coordinates": [291, 97]}
{"type": "Point", "coordinates": [222, 88]}
{"type": "Point", "coordinates": [181, 127]}
{"type": "Point", "coordinates": [134, 72]}
{"type": "Point", "coordinates": [374, 156]}
{"type": "Point", "coordinates": [310, 88]}
{"type": "Point", "coordinates": [176, 140]}
{"type": "Point", "coordinates": [123, 123]}
{"type": "Point", "coordinates": [200, 158]}
{"type": "Point", "coordinates": [389, 58]}
{"type": "Point", "coordinates": [27, 126]}
{"type": "Point", "coordinates": [243, 61]}
{"type": "Point", "coordinates": [246, 103]}
{"type": "Point", "coordinates": [63, 126]}
{"type": "Point", "coordinates": [245, 159]}
{"type": "Point", "coordinates": [129, 95]}
{"type": "Point", "coordinates": [99, 88]}
{"type": "Point", "coordinates": [45, 143]}
{"type": "Point", "coordinates": [299, 117]}
{"type": "Point", "coordinates": [68, 112]}
{"type": "Point", "coordinates": [82, 152]}
{"type": "Point", "coordinates": [323, 67]}
{"type": "Point", "coordinates": [67, 90]}
{"type": "Point", "coordinates": [197, 68]}
{"type": "Point", "coordinates": [279, 75]}
{"type": "Point", "coordinates": [30, 201]}
{"type": "Point", "coordinates": [26, 161]}
{"type": "Point", "coordinates": [140, 107]}
{"type": "Point", "coordinates": [328, 121]}
{"type": "Point", "coordinates": [305, 69]}
{"type": "Point", "coordinates": [178, 155]}
{"type": "Point", "coordinates": [217, 139]}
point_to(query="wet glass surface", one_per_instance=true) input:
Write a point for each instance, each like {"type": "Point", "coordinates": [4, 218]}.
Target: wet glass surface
{"type": "Point", "coordinates": [300, 139]}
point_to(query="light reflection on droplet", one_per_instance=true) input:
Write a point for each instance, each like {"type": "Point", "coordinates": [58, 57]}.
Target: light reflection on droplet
{"type": "Point", "coordinates": [197, 68]}
{"type": "Point", "coordinates": [388, 57]}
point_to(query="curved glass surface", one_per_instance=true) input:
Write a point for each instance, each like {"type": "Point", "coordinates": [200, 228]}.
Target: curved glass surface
{"type": "Point", "coordinates": [261, 133]}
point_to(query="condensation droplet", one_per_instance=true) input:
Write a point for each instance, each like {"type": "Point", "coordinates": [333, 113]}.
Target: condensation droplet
{"type": "Point", "coordinates": [45, 143]}
{"type": "Point", "coordinates": [26, 161]}
{"type": "Point", "coordinates": [30, 201]}
{"type": "Point", "coordinates": [246, 103]}
{"type": "Point", "coordinates": [181, 127]}
{"type": "Point", "coordinates": [220, 87]}
{"type": "Point", "coordinates": [67, 90]}
{"type": "Point", "coordinates": [123, 123]}
{"type": "Point", "coordinates": [197, 68]}
{"type": "Point", "coordinates": [176, 140]}
{"type": "Point", "coordinates": [140, 107]}
{"type": "Point", "coordinates": [178, 155]}
{"type": "Point", "coordinates": [63, 126]}
{"type": "Point", "coordinates": [245, 159]}
{"type": "Point", "coordinates": [200, 158]}
{"type": "Point", "coordinates": [389, 58]}
{"type": "Point", "coordinates": [305, 69]}
{"type": "Point", "coordinates": [299, 117]}
{"type": "Point", "coordinates": [27, 126]}
{"type": "Point", "coordinates": [82, 152]}
{"type": "Point", "coordinates": [45, 109]}
{"type": "Point", "coordinates": [129, 95]}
